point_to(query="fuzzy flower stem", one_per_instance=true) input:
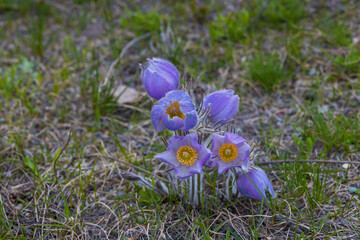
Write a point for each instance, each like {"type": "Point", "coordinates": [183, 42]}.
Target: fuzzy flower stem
{"type": "Point", "coordinates": [195, 188]}
{"type": "Point", "coordinates": [173, 180]}
{"type": "Point", "coordinates": [231, 189]}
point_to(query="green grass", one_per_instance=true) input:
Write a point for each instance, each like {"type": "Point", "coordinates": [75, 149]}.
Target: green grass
{"type": "Point", "coordinates": [142, 22]}
{"type": "Point", "coordinates": [348, 64]}
{"type": "Point", "coordinates": [332, 133]}
{"type": "Point", "coordinates": [267, 70]}
{"type": "Point", "coordinates": [292, 63]}
{"type": "Point", "coordinates": [336, 33]}
{"type": "Point", "coordinates": [232, 27]}
{"type": "Point", "coordinates": [284, 11]}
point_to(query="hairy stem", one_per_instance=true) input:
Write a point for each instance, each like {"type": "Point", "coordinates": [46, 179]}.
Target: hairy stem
{"type": "Point", "coordinates": [195, 188]}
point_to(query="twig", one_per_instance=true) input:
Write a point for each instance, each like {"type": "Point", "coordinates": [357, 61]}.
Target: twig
{"type": "Point", "coordinates": [310, 161]}
{"type": "Point", "coordinates": [123, 51]}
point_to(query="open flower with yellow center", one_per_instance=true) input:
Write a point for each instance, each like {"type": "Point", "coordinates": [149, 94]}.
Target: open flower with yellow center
{"type": "Point", "coordinates": [186, 155]}
{"type": "Point", "coordinates": [229, 151]}
{"type": "Point", "coordinates": [174, 111]}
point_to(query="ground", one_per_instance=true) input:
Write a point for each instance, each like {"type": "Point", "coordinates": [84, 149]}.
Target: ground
{"type": "Point", "coordinates": [65, 145]}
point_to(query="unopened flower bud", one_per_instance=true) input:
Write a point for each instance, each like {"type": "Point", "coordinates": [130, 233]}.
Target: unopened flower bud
{"type": "Point", "coordinates": [159, 77]}
{"type": "Point", "coordinates": [223, 105]}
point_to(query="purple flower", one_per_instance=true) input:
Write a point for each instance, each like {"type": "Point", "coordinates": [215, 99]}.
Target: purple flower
{"type": "Point", "coordinates": [229, 151]}
{"type": "Point", "coordinates": [259, 178]}
{"type": "Point", "coordinates": [174, 111]}
{"type": "Point", "coordinates": [223, 105]}
{"type": "Point", "coordinates": [159, 77]}
{"type": "Point", "coordinates": [186, 155]}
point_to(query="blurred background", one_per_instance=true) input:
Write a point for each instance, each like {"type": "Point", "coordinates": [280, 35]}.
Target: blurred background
{"type": "Point", "coordinates": [73, 65]}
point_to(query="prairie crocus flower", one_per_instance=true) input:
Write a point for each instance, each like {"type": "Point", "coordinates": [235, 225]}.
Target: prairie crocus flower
{"type": "Point", "coordinates": [159, 77]}
{"type": "Point", "coordinates": [223, 105]}
{"type": "Point", "coordinates": [174, 111]}
{"type": "Point", "coordinates": [186, 155]}
{"type": "Point", "coordinates": [229, 151]}
{"type": "Point", "coordinates": [259, 178]}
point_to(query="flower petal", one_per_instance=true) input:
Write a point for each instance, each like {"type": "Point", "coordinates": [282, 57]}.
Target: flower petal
{"type": "Point", "coordinates": [204, 153]}
{"type": "Point", "coordinates": [159, 77]}
{"type": "Point", "coordinates": [184, 171]}
{"type": "Point", "coordinates": [157, 112]}
{"type": "Point", "coordinates": [174, 123]}
{"type": "Point", "coordinates": [243, 156]}
{"type": "Point", "coordinates": [223, 105]}
{"type": "Point", "coordinates": [217, 100]}
{"type": "Point", "coordinates": [186, 106]}
{"type": "Point", "coordinates": [177, 95]}
{"type": "Point", "coordinates": [242, 159]}
{"type": "Point", "coordinates": [259, 178]}
{"type": "Point", "coordinates": [234, 138]}
{"type": "Point", "coordinates": [190, 120]}
{"type": "Point", "coordinates": [168, 157]}
{"type": "Point", "coordinates": [204, 157]}
{"type": "Point", "coordinates": [229, 112]}
{"type": "Point", "coordinates": [224, 166]}
{"type": "Point", "coordinates": [176, 142]}
{"type": "Point", "coordinates": [167, 66]}
{"type": "Point", "coordinates": [217, 142]}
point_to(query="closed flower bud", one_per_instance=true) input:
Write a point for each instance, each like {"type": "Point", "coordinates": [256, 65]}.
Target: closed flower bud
{"type": "Point", "coordinates": [254, 183]}
{"type": "Point", "coordinates": [223, 105]}
{"type": "Point", "coordinates": [159, 77]}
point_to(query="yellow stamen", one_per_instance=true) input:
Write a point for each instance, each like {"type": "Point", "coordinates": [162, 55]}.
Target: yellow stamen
{"type": "Point", "coordinates": [174, 111]}
{"type": "Point", "coordinates": [228, 152]}
{"type": "Point", "coordinates": [186, 155]}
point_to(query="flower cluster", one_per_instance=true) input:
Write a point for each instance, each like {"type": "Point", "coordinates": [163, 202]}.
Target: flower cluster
{"type": "Point", "coordinates": [196, 128]}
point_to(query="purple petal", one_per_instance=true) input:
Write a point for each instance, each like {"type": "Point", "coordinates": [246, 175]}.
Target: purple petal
{"type": "Point", "coordinates": [157, 112]}
{"type": "Point", "coordinates": [259, 178]}
{"type": "Point", "coordinates": [217, 142]}
{"type": "Point", "coordinates": [223, 105]}
{"type": "Point", "coordinates": [243, 156]}
{"type": "Point", "coordinates": [234, 138]}
{"type": "Point", "coordinates": [229, 112]}
{"type": "Point", "coordinates": [157, 84]}
{"type": "Point", "coordinates": [190, 120]}
{"type": "Point", "coordinates": [191, 140]}
{"type": "Point", "coordinates": [242, 159]}
{"type": "Point", "coordinates": [176, 142]}
{"type": "Point", "coordinates": [177, 95]}
{"type": "Point", "coordinates": [218, 100]}
{"type": "Point", "coordinates": [159, 77]}
{"type": "Point", "coordinates": [186, 106]}
{"type": "Point", "coordinates": [174, 123]}
{"type": "Point", "coordinates": [204, 157]}
{"type": "Point", "coordinates": [184, 171]}
{"type": "Point", "coordinates": [162, 120]}
{"type": "Point", "coordinates": [168, 157]}
{"type": "Point", "coordinates": [224, 166]}
{"type": "Point", "coordinates": [166, 66]}
{"type": "Point", "coordinates": [204, 153]}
